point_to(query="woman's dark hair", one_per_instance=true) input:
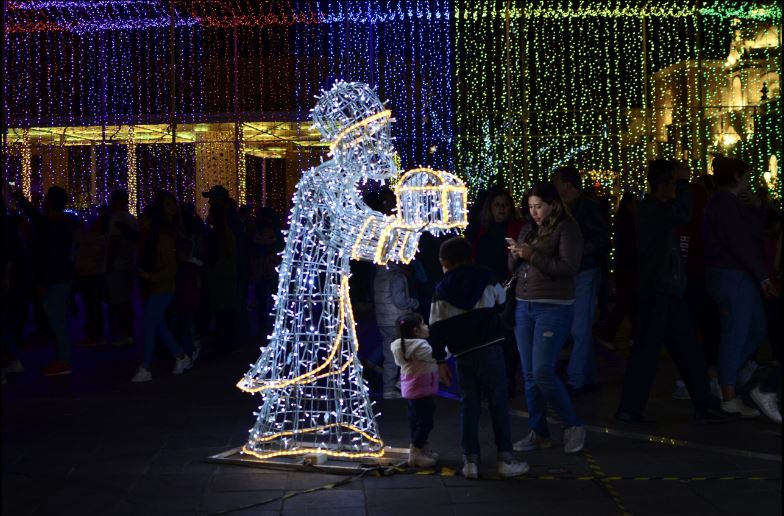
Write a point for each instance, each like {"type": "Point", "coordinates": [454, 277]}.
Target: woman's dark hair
{"type": "Point", "coordinates": [546, 191]}
{"type": "Point", "coordinates": [159, 223]}
{"type": "Point", "coordinates": [486, 215]}
{"type": "Point", "coordinates": [406, 324]}
{"type": "Point", "coordinates": [726, 170]}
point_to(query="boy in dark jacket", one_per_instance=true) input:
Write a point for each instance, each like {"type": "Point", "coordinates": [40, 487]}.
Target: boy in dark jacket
{"type": "Point", "coordinates": [662, 315]}
{"type": "Point", "coordinates": [464, 317]}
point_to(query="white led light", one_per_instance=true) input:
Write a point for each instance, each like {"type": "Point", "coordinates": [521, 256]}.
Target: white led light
{"type": "Point", "coordinates": [309, 376]}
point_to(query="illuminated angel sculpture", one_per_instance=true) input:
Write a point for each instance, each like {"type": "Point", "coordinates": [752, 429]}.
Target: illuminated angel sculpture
{"type": "Point", "coordinates": [314, 399]}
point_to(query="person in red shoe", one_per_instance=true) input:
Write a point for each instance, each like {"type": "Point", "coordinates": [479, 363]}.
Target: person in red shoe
{"type": "Point", "coordinates": [53, 267]}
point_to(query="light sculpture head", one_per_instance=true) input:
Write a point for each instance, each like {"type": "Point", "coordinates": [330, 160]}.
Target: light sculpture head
{"type": "Point", "coordinates": [354, 120]}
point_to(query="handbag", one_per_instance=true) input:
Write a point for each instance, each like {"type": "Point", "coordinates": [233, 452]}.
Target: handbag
{"type": "Point", "coordinates": [508, 311]}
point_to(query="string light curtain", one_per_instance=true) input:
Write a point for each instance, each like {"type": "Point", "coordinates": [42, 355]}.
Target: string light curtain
{"type": "Point", "coordinates": [501, 91]}
{"type": "Point", "coordinates": [606, 85]}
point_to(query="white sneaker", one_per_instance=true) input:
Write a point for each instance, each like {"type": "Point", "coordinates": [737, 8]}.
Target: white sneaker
{"type": "Point", "coordinates": [14, 366]}
{"type": "Point", "coordinates": [532, 442]}
{"type": "Point", "coordinates": [181, 364]}
{"type": "Point", "coordinates": [429, 451]}
{"type": "Point", "coordinates": [736, 406]}
{"type": "Point", "coordinates": [680, 392]}
{"type": "Point", "coordinates": [417, 458]}
{"type": "Point", "coordinates": [512, 468]}
{"type": "Point", "coordinates": [574, 439]}
{"type": "Point", "coordinates": [471, 470]}
{"type": "Point", "coordinates": [142, 375]}
{"type": "Point", "coordinates": [768, 404]}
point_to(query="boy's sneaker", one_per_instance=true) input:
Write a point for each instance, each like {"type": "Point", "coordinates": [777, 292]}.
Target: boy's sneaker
{"type": "Point", "coordinates": [680, 393]}
{"type": "Point", "coordinates": [57, 368]}
{"type": "Point", "coordinates": [471, 470]}
{"type": "Point", "coordinates": [574, 439]}
{"type": "Point", "coordinates": [142, 375]}
{"type": "Point", "coordinates": [508, 468]}
{"type": "Point", "coordinates": [532, 442]}
{"type": "Point", "coordinates": [767, 403]}
{"type": "Point", "coordinates": [14, 366]}
{"type": "Point", "coordinates": [181, 364]}
{"type": "Point", "coordinates": [736, 406]}
{"type": "Point", "coordinates": [418, 458]}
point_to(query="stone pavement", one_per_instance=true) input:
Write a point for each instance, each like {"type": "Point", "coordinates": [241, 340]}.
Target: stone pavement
{"type": "Point", "coordinates": [95, 444]}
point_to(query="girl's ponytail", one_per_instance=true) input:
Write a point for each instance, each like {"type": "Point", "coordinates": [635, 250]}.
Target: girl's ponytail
{"type": "Point", "coordinates": [406, 324]}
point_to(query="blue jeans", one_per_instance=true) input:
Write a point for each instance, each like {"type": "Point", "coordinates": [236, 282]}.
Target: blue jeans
{"type": "Point", "coordinates": [420, 419]}
{"type": "Point", "coordinates": [56, 305]}
{"type": "Point", "coordinates": [541, 330]}
{"type": "Point", "coordinates": [582, 363]}
{"type": "Point", "coordinates": [155, 325]}
{"type": "Point", "coordinates": [483, 372]}
{"type": "Point", "coordinates": [741, 319]}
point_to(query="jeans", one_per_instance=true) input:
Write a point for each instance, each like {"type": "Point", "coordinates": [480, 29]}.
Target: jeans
{"type": "Point", "coordinates": [582, 364]}
{"type": "Point", "coordinates": [56, 305]}
{"type": "Point", "coordinates": [482, 371]}
{"type": "Point", "coordinates": [664, 319]}
{"type": "Point", "coordinates": [388, 334]}
{"type": "Point", "coordinates": [741, 319]}
{"type": "Point", "coordinates": [420, 419]}
{"type": "Point", "coordinates": [541, 330]}
{"type": "Point", "coordinates": [155, 325]}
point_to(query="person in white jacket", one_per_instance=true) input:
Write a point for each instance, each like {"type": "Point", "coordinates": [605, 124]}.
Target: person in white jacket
{"type": "Point", "coordinates": [418, 384]}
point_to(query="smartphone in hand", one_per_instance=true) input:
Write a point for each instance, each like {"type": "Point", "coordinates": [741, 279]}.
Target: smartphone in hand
{"type": "Point", "coordinates": [511, 241]}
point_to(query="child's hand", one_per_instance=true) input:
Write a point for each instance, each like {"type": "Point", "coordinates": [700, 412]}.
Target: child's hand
{"type": "Point", "coordinates": [445, 374]}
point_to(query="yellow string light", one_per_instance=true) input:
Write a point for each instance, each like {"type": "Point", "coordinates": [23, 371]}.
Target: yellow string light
{"type": "Point", "coordinates": [383, 115]}
{"type": "Point", "coordinates": [132, 173]}
{"type": "Point", "coordinates": [27, 167]}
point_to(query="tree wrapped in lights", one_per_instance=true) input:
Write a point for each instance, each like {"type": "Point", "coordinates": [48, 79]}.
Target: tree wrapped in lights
{"type": "Point", "coordinates": [309, 376]}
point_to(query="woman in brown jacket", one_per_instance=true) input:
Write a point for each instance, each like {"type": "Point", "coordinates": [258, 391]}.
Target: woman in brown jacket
{"type": "Point", "coordinates": [545, 261]}
{"type": "Point", "coordinates": [156, 278]}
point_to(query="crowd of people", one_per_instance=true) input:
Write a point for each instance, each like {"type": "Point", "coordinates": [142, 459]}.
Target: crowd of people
{"type": "Point", "coordinates": [695, 266]}
{"type": "Point", "coordinates": [192, 276]}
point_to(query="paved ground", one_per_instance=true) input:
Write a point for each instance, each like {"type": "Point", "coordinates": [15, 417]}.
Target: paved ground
{"type": "Point", "coordinates": [95, 444]}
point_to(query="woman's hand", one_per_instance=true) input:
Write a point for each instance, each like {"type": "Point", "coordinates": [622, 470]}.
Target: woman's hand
{"type": "Point", "coordinates": [523, 251]}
